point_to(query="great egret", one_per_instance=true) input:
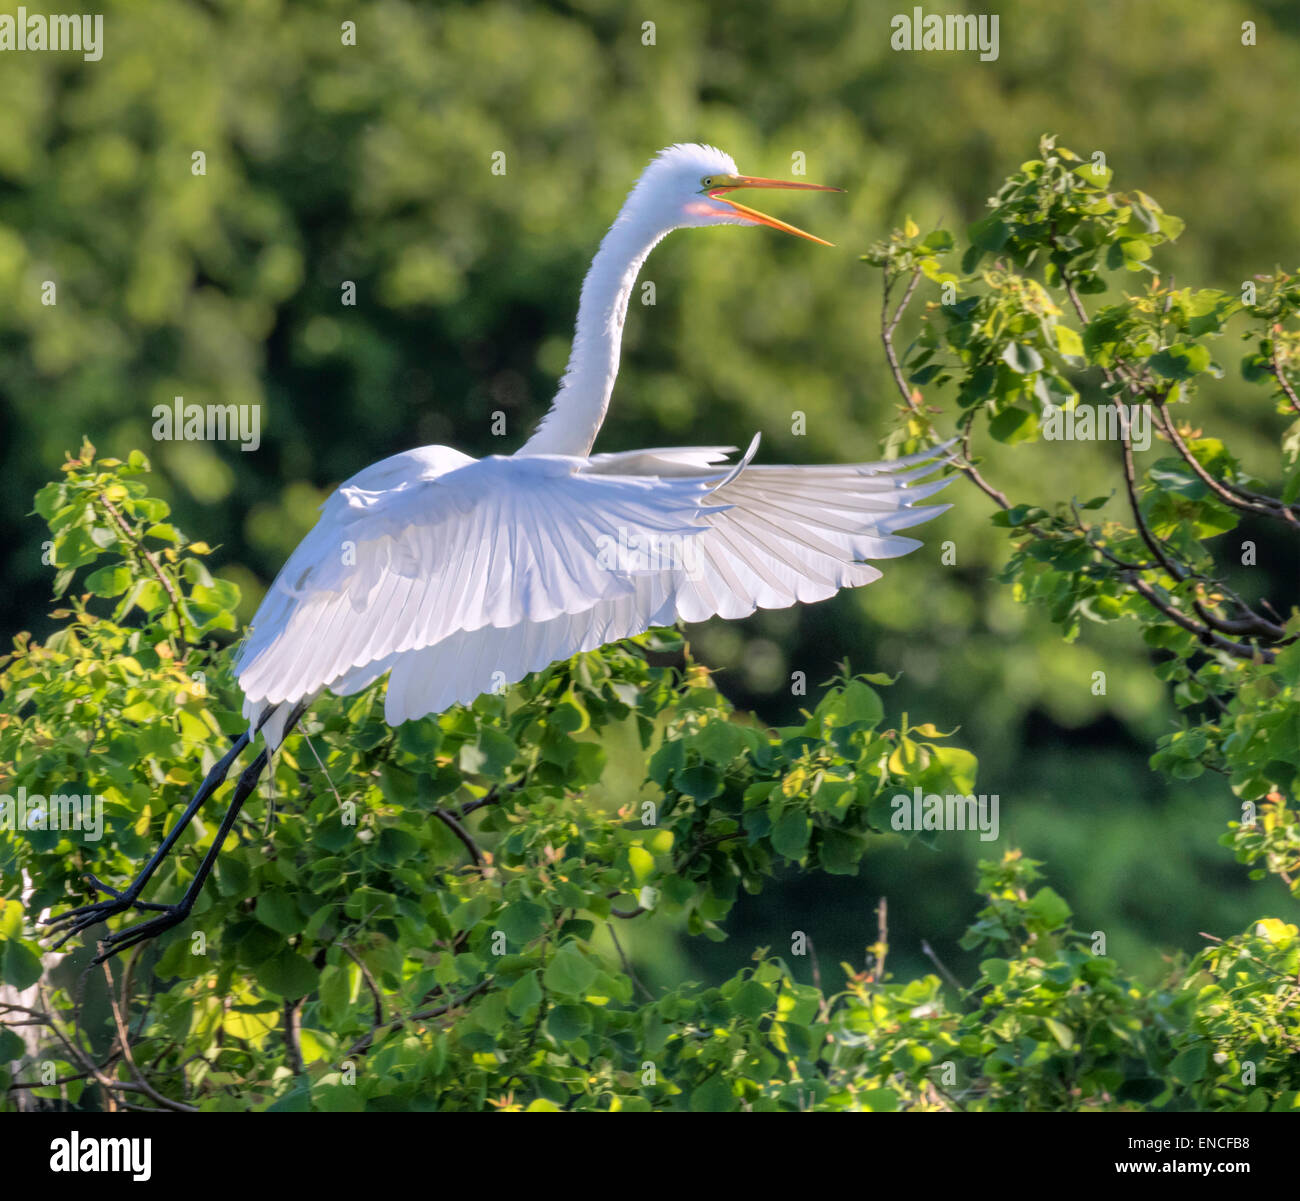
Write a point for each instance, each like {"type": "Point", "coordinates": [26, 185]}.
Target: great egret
{"type": "Point", "coordinates": [456, 575]}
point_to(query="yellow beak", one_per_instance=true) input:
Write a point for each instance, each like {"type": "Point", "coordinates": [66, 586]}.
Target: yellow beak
{"type": "Point", "coordinates": [729, 183]}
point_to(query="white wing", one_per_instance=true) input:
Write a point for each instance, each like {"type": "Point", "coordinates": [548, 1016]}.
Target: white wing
{"type": "Point", "coordinates": [429, 543]}
{"type": "Point", "coordinates": [469, 575]}
{"type": "Point", "coordinates": [799, 534]}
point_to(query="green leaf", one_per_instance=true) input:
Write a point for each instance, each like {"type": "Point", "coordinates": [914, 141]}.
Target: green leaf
{"type": "Point", "coordinates": [279, 911]}
{"type": "Point", "coordinates": [568, 1022]}
{"type": "Point", "coordinates": [570, 972]}
{"type": "Point", "coordinates": [641, 862]}
{"type": "Point", "coordinates": [1048, 909]}
{"type": "Point", "coordinates": [855, 702]}
{"type": "Point", "coordinates": [11, 919]}
{"type": "Point", "coordinates": [489, 756]}
{"type": "Point", "coordinates": [1060, 1031]}
{"type": "Point", "coordinates": [524, 994]}
{"type": "Point", "coordinates": [335, 988]}
{"type": "Point", "coordinates": [11, 1046]}
{"type": "Point", "coordinates": [1068, 341]}
{"type": "Point", "coordinates": [790, 834]}
{"type": "Point", "coordinates": [1014, 425]}
{"type": "Point", "coordinates": [841, 852]}
{"type": "Point", "coordinates": [959, 768]}
{"type": "Point", "coordinates": [522, 921]}
{"type": "Point", "coordinates": [1181, 361]}
{"type": "Point", "coordinates": [715, 1095]}
{"type": "Point", "coordinates": [719, 742]}
{"type": "Point", "coordinates": [989, 234]}
{"type": "Point", "coordinates": [288, 974]}
{"type": "Point", "coordinates": [338, 1098]}
{"type": "Point", "coordinates": [936, 242]}
{"type": "Point", "coordinates": [700, 783]}
{"type": "Point", "coordinates": [998, 971]}
{"type": "Point", "coordinates": [1022, 358]}
{"type": "Point", "coordinates": [1189, 1066]}
{"type": "Point", "coordinates": [752, 1000]}
{"type": "Point", "coordinates": [879, 1100]}
{"type": "Point", "coordinates": [21, 968]}
{"type": "Point", "coordinates": [109, 581]}
{"type": "Point", "coordinates": [1018, 515]}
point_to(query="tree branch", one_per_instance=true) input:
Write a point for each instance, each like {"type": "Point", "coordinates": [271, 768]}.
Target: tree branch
{"type": "Point", "coordinates": [457, 829]}
{"type": "Point", "coordinates": [138, 548]}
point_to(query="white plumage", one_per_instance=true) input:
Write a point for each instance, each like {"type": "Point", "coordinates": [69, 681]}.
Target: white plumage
{"type": "Point", "coordinates": [458, 576]}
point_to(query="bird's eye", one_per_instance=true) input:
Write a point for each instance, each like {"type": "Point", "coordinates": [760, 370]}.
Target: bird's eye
{"type": "Point", "coordinates": [708, 181]}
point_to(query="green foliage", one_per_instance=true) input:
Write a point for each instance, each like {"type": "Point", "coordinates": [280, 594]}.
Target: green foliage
{"type": "Point", "coordinates": [1219, 1033]}
{"type": "Point", "coordinates": [424, 918]}
{"type": "Point", "coordinates": [372, 163]}
{"type": "Point", "coordinates": [1027, 370]}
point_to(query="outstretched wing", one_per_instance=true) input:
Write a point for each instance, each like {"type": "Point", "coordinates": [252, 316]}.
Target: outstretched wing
{"type": "Point", "coordinates": [424, 546]}
{"type": "Point", "coordinates": [787, 535]}
{"type": "Point", "coordinates": [458, 577]}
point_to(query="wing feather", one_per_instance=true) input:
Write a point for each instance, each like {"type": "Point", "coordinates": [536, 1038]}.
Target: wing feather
{"type": "Point", "coordinates": [462, 569]}
{"type": "Point", "coordinates": [490, 543]}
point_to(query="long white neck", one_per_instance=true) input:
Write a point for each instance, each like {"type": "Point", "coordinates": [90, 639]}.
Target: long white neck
{"type": "Point", "coordinates": [579, 407]}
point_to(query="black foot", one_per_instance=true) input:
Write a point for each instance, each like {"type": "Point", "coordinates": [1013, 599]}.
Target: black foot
{"type": "Point", "coordinates": [169, 916]}
{"type": "Point", "coordinates": [77, 921]}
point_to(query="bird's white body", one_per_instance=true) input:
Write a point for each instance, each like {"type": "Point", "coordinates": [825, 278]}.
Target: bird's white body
{"type": "Point", "coordinates": [458, 576]}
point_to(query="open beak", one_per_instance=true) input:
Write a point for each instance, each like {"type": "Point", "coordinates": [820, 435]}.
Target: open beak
{"type": "Point", "coordinates": [732, 182]}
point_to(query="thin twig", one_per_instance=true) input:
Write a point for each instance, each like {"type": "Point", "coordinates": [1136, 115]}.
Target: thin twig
{"type": "Point", "coordinates": [1280, 376]}
{"type": "Point", "coordinates": [424, 1015]}
{"type": "Point", "coordinates": [816, 965]}
{"type": "Point", "coordinates": [81, 1057]}
{"type": "Point", "coordinates": [312, 747]}
{"type": "Point", "coordinates": [1235, 497]}
{"type": "Point", "coordinates": [882, 940]}
{"type": "Point", "coordinates": [464, 835]}
{"type": "Point", "coordinates": [973, 474]}
{"type": "Point", "coordinates": [371, 983]}
{"type": "Point", "coordinates": [888, 325]}
{"type": "Point", "coordinates": [627, 966]}
{"type": "Point", "coordinates": [494, 795]}
{"type": "Point", "coordinates": [624, 913]}
{"type": "Point", "coordinates": [1205, 629]}
{"type": "Point", "coordinates": [292, 1035]}
{"type": "Point", "coordinates": [147, 555]}
{"type": "Point", "coordinates": [1240, 650]}
{"type": "Point", "coordinates": [125, 1042]}
{"type": "Point", "coordinates": [928, 952]}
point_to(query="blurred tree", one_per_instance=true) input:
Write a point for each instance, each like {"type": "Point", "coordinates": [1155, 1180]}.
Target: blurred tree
{"type": "Point", "coordinates": [372, 163]}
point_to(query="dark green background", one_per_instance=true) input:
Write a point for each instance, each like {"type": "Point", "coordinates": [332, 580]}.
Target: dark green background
{"type": "Point", "coordinates": [372, 164]}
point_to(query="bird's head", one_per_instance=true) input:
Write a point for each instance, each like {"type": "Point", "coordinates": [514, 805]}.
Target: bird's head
{"type": "Point", "coordinates": [689, 185]}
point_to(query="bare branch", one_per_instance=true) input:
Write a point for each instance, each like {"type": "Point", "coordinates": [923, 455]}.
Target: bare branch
{"type": "Point", "coordinates": [138, 548]}
{"type": "Point", "coordinates": [1239, 650]}
{"type": "Point", "coordinates": [888, 325]}
{"type": "Point", "coordinates": [292, 1034]}
{"type": "Point", "coordinates": [1282, 381]}
{"type": "Point", "coordinates": [464, 835]}
{"type": "Point", "coordinates": [124, 1042]}
{"type": "Point", "coordinates": [627, 967]}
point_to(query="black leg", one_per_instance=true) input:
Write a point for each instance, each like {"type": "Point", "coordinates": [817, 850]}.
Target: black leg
{"type": "Point", "coordinates": [173, 915]}
{"type": "Point", "coordinates": [82, 918]}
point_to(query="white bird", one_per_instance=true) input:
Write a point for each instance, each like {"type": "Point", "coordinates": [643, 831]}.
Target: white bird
{"type": "Point", "coordinates": [455, 576]}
